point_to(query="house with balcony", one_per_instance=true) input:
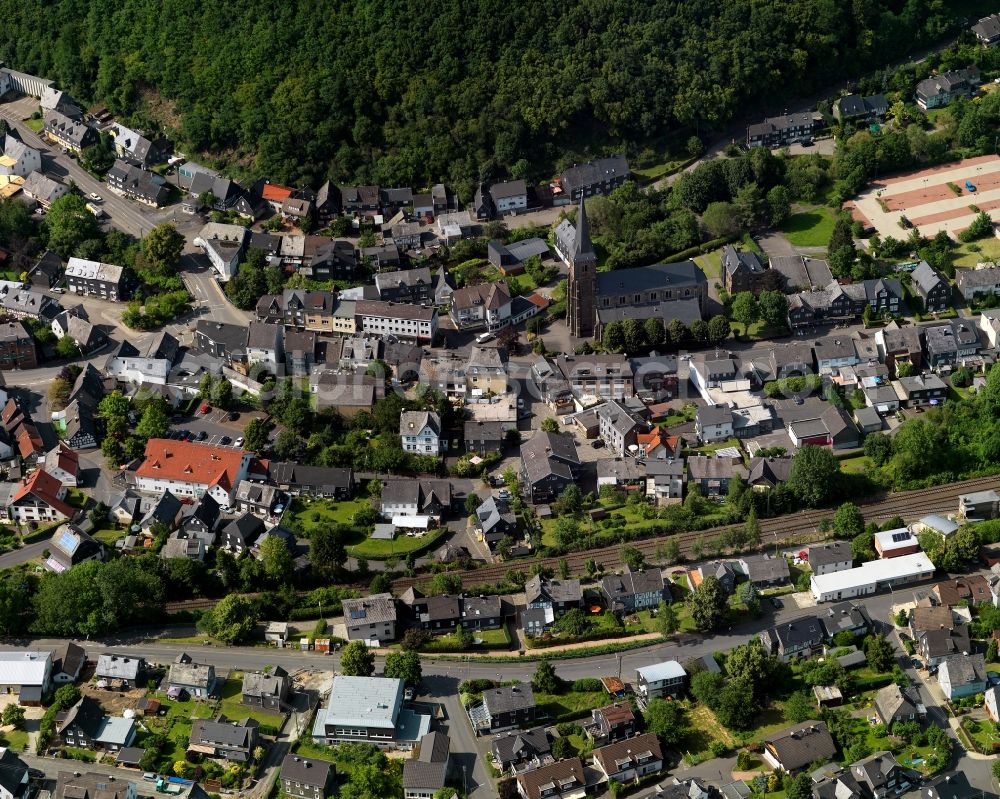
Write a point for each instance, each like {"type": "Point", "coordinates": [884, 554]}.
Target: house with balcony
{"type": "Point", "coordinates": [487, 305]}
{"type": "Point", "coordinates": [420, 433]}
{"type": "Point", "coordinates": [802, 637]}
{"type": "Point", "coordinates": [940, 90]}
{"type": "Point", "coordinates": [634, 590]}
{"type": "Point", "coordinates": [666, 679]}
{"type": "Point", "coordinates": [631, 759]}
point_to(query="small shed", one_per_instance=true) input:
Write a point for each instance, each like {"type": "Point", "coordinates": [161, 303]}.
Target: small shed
{"type": "Point", "coordinates": [276, 632]}
{"type": "Point", "coordinates": [828, 695]}
{"type": "Point", "coordinates": [129, 756]}
{"type": "Point", "coordinates": [148, 706]}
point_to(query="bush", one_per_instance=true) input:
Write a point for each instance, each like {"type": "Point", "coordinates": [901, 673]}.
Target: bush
{"type": "Point", "coordinates": [587, 684]}
{"type": "Point", "coordinates": [476, 686]}
{"type": "Point", "coordinates": [718, 748]}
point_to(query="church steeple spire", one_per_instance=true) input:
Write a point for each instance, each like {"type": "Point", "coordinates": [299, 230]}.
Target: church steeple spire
{"type": "Point", "coordinates": [581, 289]}
{"type": "Point", "coordinates": [583, 247]}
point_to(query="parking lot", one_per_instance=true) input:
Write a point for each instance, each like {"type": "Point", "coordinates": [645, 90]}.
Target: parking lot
{"type": "Point", "coordinates": [216, 427]}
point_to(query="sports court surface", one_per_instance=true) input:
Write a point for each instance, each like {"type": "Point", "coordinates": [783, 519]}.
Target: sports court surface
{"type": "Point", "coordinates": [928, 202]}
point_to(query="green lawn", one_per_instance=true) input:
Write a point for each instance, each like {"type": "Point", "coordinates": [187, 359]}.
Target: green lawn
{"type": "Point", "coordinates": [985, 250]}
{"type": "Point", "coordinates": [35, 124]}
{"type": "Point", "coordinates": [854, 465]}
{"type": "Point", "coordinates": [707, 449]}
{"type": "Point", "coordinates": [703, 729]}
{"type": "Point", "coordinates": [232, 708]}
{"type": "Point", "coordinates": [15, 740]}
{"type": "Point", "coordinates": [490, 639]}
{"type": "Point", "coordinates": [76, 498]}
{"type": "Point", "coordinates": [493, 638]}
{"type": "Point", "coordinates": [711, 264]}
{"type": "Point", "coordinates": [685, 414]}
{"type": "Point", "coordinates": [758, 331]}
{"type": "Point", "coordinates": [307, 748]}
{"type": "Point", "coordinates": [308, 515]}
{"type": "Point", "coordinates": [572, 704]}
{"type": "Point", "coordinates": [811, 228]}
{"type": "Point", "coordinates": [647, 621]}
{"type": "Point", "coordinates": [655, 171]}
{"type": "Point", "coordinates": [108, 535]}
{"type": "Point", "coordinates": [400, 546]}
{"type": "Point", "coordinates": [983, 732]}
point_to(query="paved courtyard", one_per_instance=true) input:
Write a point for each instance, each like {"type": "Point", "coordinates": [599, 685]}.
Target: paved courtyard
{"type": "Point", "coordinates": [928, 202]}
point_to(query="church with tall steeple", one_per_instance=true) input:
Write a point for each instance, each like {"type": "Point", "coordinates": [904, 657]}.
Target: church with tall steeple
{"type": "Point", "coordinates": [581, 287]}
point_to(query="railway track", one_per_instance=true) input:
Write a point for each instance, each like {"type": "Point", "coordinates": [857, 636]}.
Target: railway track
{"type": "Point", "coordinates": [796, 528]}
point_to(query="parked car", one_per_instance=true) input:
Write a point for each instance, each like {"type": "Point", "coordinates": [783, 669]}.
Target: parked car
{"type": "Point", "coordinates": [96, 197]}
{"type": "Point", "coordinates": [206, 408]}
{"type": "Point", "coordinates": [225, 440]}
{"type": "Point", "coordinates": [238, 442]}
{"type": "Point", "coordinates": [202, 435]}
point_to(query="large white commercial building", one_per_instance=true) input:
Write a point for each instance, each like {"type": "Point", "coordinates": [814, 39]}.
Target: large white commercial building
{"type": "Point", "coordinates": [870, 577]}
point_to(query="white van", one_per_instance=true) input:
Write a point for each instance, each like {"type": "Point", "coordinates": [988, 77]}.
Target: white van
{"type": "Point", "coordinates": [482, 338]}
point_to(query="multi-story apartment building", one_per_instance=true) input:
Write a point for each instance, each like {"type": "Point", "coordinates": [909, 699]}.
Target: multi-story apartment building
{"type": "Point", "coordinates": [96, 279]}
{"type": "Point", "coordinates": [405, 321]}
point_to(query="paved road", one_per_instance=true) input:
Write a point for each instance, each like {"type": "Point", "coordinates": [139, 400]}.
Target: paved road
{"type": "Point", "coordinates": [26, 553]}
{"type": "Point", "coordinates": [53, 767]}
{"type": "Point", "coordinates": [208, 294]}
{"type": "Point", "coordinates": [441, 678]}
{"type": "Point", "coordinates": [130, 217]}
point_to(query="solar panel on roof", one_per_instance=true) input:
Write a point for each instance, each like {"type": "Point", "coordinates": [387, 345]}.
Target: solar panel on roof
{"type": "Point", "coordinates": [67, 541]}
{"type": "Point", "coordinates": [358, 613]}
{"type": "Point", "coordinates": [897, 537]}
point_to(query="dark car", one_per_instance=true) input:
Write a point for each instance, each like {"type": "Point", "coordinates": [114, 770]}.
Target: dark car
{"type": "Point", "coordinates": [225, 440]}
{"type": "Point", "coordinates": [597, 443]}
{"type": "Point", "coordinates": [233, 416]}
{"type": "Point", "coordinates": [202, 435]}
{"type": "Point", "coordinates": [777, 603]}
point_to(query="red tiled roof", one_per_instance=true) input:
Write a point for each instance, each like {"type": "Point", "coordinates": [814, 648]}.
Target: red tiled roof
{"type": "Point", "coordinates": [274, 193]}
{"type": "Point", "coordinates": [539, 300]}
{"type": "Point", "coordinates": [43, 486]}
{"type": "Point", "coordinates": [651, 440]}
{"type": "Point", "coordinates": [28, 440]}
{"type": "Point", "coordinates": [67, 460]}
{"type": "Point", "coordinates": [190, 462]}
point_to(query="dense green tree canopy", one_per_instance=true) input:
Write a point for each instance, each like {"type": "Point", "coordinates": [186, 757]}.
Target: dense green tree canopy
{"type": "Point", "coordinates": [409, 94]}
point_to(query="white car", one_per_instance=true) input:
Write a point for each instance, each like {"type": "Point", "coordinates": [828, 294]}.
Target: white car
{"type": "Point", "coordinates": [96, 197]}
{"type": "Point", "coordinates": [238, 442]}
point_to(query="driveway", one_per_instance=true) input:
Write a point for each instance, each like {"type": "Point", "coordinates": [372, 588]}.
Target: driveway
{"type": "Point", "coordinates": [774, 244]}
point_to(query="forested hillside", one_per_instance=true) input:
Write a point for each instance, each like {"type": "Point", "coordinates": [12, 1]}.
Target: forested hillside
{"type": "Point", "coordinates": [414, 91]}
